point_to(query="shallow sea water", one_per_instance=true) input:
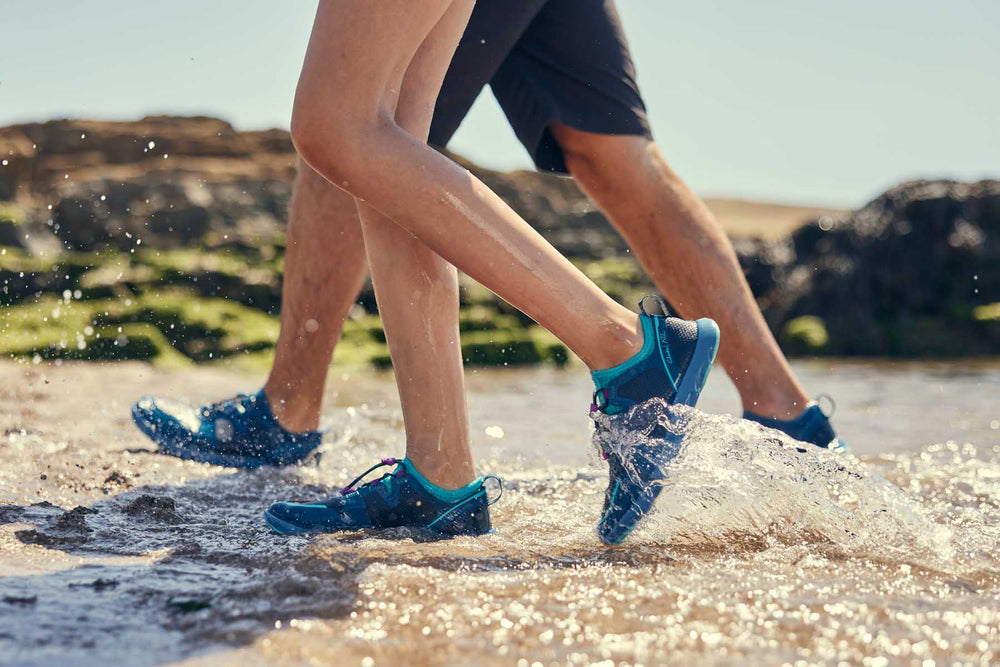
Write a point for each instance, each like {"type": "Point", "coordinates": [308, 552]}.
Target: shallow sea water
{"type": "Point", "coordinates": [761, 551]}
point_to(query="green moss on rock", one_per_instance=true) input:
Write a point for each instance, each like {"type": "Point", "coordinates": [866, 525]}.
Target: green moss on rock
{"type": "Point", "coordinates": [805, 335]}
{"type": "Point", "coordinates": [165, 328]}
{"type": "Point", "coordinates": [987, 313]}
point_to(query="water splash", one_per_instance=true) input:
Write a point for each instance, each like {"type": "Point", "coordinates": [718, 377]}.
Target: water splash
{"type": "Point", "coordinates": [758, 552]}
{"type": "Point", "coordinates": [732, 484]}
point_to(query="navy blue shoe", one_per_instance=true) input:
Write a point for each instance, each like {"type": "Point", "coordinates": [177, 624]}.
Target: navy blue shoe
{"type": "Point", "coordinates": [812, 426]}
{"type": "Point", "coordinates": [239, 433]}
{"type": "Point", "coordinates": [636, 478]}
{"type": "Point", "coordinates": [673, 364]}
{"type": "Point", "coordinates": [400, 498]}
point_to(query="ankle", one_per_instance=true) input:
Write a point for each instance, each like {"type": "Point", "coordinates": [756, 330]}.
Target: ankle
{"type": "Point", "coordinates": [443, 474]}
{"type": "Point", "coordinates": [776, 407]}
{"type": "Point", "coordinates": [293, 412]}
{"type": "Point", "coordinates": [626, 340]}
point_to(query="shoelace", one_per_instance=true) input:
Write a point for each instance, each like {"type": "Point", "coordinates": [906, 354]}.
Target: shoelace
{"type": "Point", "coordinates": [599, 401]}
{"type": "Point", "coordinates": [226, 407]}
{"type": "Point", "coordinates": [350, 488]}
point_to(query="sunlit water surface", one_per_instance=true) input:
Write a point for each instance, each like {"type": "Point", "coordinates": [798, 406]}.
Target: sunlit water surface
{"type": "Point", "coordinates": [761, 550]}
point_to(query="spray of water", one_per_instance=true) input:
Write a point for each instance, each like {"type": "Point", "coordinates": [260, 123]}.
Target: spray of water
{"type": "Point", "coordinates": [733, 484]}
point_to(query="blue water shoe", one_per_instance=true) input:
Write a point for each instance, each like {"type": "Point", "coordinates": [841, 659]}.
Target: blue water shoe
{"type": "Point", "coordinates": [241, 432]}
{"type": "Point", "coordinates": [673, 365]}
{"type": "Point", "coordinates": [400, 498]}
{"type": "Point", "coordinates": [811, 426]}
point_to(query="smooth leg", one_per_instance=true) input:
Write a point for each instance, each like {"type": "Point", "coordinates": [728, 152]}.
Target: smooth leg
{"type": "Point", "coordinates": [324, 270]}
{"type": "Point", "coordinates": [688, 256]}
{"type": "Point", "coordinates": [344, 127]}
{"type": "Point", "coordinates": [417, 291]}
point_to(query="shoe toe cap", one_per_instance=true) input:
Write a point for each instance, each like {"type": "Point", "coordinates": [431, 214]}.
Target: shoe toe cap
{"type": "Point", "coordinates": [146, 409]}
{"type": "Point", "coordinates": [304, 514]}
{"type": "Point", "coordinates": [165, 416]}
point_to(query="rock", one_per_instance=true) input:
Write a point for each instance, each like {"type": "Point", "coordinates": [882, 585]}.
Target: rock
{"type": "Point", "coordinates": [11, 234]}
{"type": "Point", "coordinates": [20, 599]}
{"type": "Point", "coordinates": [188, 605]}
{"type": "Point", "coordinates": [81, 224]}
{"type": "Point", "coordinates": [10, 513]}
{"type": "Point", "coordinates": [98, 584]}
{"type": "Point", "coordinates": [128, 211]}
{"type": "Point", "coordinates": [17, 155]}
{"type": "Point", "coordinates": [67, 529]}
{"type": "Point", "coordinates": [904, 275]}
{"type": "Point", "coordinates": [157, 508]}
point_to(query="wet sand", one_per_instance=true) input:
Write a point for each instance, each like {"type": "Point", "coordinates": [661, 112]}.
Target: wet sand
{"type": "Point", "coordinates": [759, 552]}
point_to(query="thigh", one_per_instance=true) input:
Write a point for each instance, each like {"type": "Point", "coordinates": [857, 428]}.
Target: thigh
{"type": "Point", "coordinates": [494, 29]}
{"type": "Point", "coordinates": [358, 53]}
{"type": "Point", "coordinates": [423, 78]}
{"type": "Point", "coordinates": [572, 65]}
{"type": "Point", "coordinates": [394, 254]}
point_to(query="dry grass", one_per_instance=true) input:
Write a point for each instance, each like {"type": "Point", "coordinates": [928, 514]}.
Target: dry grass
{"type": "Point", "coordinates": [771, 221]}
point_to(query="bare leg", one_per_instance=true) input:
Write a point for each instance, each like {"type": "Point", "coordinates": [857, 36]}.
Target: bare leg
{"type": "Point", "coordinates": [344, 127]}
{"type": "Point", "coordinates": [417, 291]}
{"type": "Point", "coordinates": [324, 270]}
{"type": "Point", "coordinates": [687, 255]}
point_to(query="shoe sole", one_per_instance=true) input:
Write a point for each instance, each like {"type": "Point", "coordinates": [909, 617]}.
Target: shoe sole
{"type": "Point", "coordinates": [688, 392]}
{"type": "Point", "coordinates": [705, 349]}
{"type": "Point", "coordinates": [188, 451]}
{"type": "Point", "coordinates": [282, 527]}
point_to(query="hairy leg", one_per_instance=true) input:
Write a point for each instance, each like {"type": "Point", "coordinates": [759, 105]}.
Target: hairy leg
{"type": "Point", "coordinates": [688, 256]}
{"type": "Point", "coordinates": [344, 127]}
{"type": "Point", "coordinates": [324, 270]}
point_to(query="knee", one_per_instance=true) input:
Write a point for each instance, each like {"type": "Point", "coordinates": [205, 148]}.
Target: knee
{"type": "Point", "coordinates": [322, 144]}
{"type": "Point", "coordinates": [331, 143]}
{"type": "Point", "coordinates": [604, 156]}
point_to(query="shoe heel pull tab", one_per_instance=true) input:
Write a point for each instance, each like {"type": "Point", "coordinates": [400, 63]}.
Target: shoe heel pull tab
{"type": "Point", "coordinates": [833, 405]}
{"type": "Point", "coordinates": [499, 486]}
{"type": "Point", "coordinates": [660, 304]}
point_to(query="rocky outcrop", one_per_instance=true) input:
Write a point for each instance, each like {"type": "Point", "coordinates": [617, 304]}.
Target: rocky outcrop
{"type": "Point", "coordinates": [169, 182]}
{"type": "Point", "coordinates": [178, 182]}
{"type": "Point", "coordinates": [114, 213]}
{"type": "Point", "coordinates": [912, 273]}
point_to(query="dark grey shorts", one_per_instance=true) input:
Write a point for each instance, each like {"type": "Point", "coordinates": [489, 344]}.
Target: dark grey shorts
{"type": "Point", "coordinates": [545, 60]}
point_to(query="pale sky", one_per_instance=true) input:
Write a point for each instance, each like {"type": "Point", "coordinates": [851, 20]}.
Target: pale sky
{"type": "Point", "coordinates": [801, 101]}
